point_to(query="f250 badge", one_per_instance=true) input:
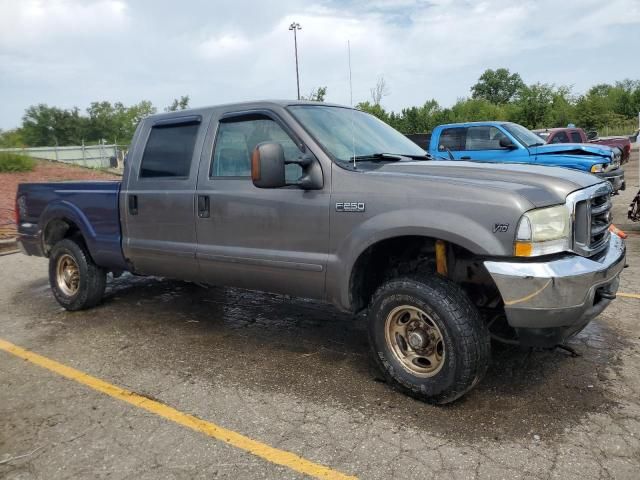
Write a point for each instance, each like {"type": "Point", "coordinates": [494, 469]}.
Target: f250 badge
{"type": "Point", "coordinates": [500, 227]}
{"type": "Point", "coordinates": [350, 207]}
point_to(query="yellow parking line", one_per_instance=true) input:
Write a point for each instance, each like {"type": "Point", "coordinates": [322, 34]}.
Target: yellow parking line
{"type": "Point", "coordinates": [629, 295]}
{"type": "Point", "coordinates": [259, 449]}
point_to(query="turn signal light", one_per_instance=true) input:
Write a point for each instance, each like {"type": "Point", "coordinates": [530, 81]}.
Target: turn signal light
{"type": "Point", "coordinates": [523, 249]}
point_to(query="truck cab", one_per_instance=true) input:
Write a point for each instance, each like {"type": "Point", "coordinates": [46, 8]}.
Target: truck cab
{"type": "Point", "coordinates": [512, 143]}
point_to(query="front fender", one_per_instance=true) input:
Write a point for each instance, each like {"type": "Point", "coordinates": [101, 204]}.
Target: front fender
{"type": "Point", "coordinates": [451, 227]}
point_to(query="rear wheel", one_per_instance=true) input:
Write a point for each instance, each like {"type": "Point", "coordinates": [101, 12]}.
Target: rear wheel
{"type": "Point", "coordinates": [428, 338]}
{"type": "Point", "coordinates": [76, 281]}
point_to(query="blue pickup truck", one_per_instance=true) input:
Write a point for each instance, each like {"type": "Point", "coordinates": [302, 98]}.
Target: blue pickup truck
{"type": "Point", "coordinates": [513, 143]}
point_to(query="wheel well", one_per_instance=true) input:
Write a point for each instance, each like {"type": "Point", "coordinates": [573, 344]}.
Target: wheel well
{"type": "Point", "coordinates": [58, 229]}
{"type": "Point", "coordinates": [408, 255]}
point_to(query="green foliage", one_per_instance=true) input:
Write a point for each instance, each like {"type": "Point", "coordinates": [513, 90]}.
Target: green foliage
{"type": "Point", "coordinates": [11, 138]}
{"type": "Point", "coordinates": [43, 125]}
{"type": "Point", "coordinates": [500, 95]}
{"type": "Point", "coordinates": [178, 104]}
{"type": "Point", "coordinates": [15, 162]}
{"type": "Point", "coordinates": [316, 95]}
{"type": "Point", "coordinates": [498, 86]}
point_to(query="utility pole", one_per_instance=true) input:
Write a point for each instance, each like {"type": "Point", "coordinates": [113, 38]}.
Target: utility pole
{"type": "Point", "coordinates": [296, 26]}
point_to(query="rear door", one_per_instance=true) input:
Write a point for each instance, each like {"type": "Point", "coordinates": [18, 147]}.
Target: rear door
{"type": "Point", "coordinates": [266, 239]}
{"type": "Point", "coordinates": [480, 143]}
{"type": "Point", "coordinates": [157, 204]}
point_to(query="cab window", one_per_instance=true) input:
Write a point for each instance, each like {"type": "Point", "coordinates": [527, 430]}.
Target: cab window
{"type": "Point", "coordinates": [484, 138]}
{"type": "Point", "coordinates": [560, 137]}
{"type": "Point", "coordinates": [452, 139]}
{"type": "Point", "coordinates": [236, 139]}
{"type": "Point", "coordinates": [169, 151]}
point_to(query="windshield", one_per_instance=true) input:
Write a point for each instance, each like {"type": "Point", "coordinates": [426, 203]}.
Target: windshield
{"type": "Point", "coordinates": [543, 135]}
{"type": "Point", "coordinates": [346, 133]}
{"type": "Point", "coordinates": [525, 136]}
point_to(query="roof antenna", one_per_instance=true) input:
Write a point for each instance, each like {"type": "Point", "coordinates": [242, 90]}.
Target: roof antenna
{"type": "Point", "coordinates": [353, 137]}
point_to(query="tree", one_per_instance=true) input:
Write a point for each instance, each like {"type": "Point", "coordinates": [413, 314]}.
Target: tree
{"type": "Point", "coordinates": [534, 105]}
{"type": "Point", "coordinates": [43, 125]}
{"type": "Point", "coordinates": [375, 110]}
{"type": "Point", "coordinates": [11, 138]}
{"type": "Point", "coordinates": [380, 90]}
{"type": "Point", "coordinates": [181, 104]}
{"type": "Point", "coordinates": [316, 95]}
{"type": "Point", "coordinates": [498, 86]}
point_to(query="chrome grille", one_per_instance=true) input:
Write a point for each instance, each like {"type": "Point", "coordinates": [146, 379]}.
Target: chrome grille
{"type": "Point", "coordinates": [591, 219]}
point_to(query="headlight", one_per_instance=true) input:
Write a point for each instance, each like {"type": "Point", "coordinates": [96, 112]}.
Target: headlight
{"type": "Point", "coordinates": [597, 168]}
{"type": "Point", "coordinates": [543, 231]}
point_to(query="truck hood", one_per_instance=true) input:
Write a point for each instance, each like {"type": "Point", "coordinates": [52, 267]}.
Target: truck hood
{"type": "Point", "coordinates": [541, 186]}
{"type": "Point", "coordinates": [573, 149]}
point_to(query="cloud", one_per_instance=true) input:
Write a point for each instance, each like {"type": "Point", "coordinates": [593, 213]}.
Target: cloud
{"type": "Point", "coordinates": [71, 52]}
{"type": "Point", "coordinates": [31, 23]}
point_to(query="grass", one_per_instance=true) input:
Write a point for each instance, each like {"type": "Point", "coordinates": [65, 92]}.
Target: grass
{"type": "Point", "coordinates": [15, 162]}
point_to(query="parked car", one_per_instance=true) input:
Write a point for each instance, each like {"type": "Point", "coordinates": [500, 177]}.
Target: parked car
{"type": "Point", "coordinates": [327, 202]}
{"type": "Point", "coordinates": [512, 143]}
{"type": "Point", "coordinates": [578, 135]}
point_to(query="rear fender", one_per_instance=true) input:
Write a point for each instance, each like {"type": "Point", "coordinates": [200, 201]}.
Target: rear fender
{"type": "Point", "coordinates": [67, 211]}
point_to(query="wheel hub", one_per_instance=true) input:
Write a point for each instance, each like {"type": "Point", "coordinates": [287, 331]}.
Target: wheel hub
{"type": "Point", "coordinates": [67, 275]}
{"type": "Point", "coordinates": [415, 340]}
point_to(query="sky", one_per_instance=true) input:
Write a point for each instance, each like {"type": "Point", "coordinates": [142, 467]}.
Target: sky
{"type": "Point", "coordinates": [71, 52]}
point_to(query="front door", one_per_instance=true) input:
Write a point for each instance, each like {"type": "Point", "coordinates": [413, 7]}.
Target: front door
{"type": "Point", "coordinates": [266, 239]}
{"type": "Point", "coordinates": [157, 204]}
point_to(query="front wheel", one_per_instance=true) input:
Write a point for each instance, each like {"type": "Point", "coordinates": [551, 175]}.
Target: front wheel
{"type": "Point", "coordinates": [76, 281]}
{"type": "Point", "coordinates": [428, 338]}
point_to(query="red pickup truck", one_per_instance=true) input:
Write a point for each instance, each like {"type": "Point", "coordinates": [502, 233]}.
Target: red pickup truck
{"type": "Point", "coordinates": [577, 135]}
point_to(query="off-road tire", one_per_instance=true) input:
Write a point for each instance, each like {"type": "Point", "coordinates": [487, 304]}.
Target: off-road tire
{"type": "Point", "coordinates": [92, 278]}
{"type": "Point", "coordinates": [465, 337]}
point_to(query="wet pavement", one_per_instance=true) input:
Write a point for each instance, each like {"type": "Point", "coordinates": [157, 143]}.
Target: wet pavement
{"type": "Point", "coordinates": [295, 375]}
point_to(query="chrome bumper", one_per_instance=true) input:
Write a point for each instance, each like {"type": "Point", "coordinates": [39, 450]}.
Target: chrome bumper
{"type": "Point", "coordinates": [556, 299]}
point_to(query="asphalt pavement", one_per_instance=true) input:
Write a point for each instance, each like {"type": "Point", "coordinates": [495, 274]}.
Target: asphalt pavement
{"type": "Point", "coordinates": [293, 377]}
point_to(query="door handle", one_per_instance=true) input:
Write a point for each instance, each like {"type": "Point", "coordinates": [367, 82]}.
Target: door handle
{"type": "Point", "coordinates": [465, 158]}
{"type": "Point", "coordinates": [133, 204]}
{"type": "Point", "coordinates": [203, 206]}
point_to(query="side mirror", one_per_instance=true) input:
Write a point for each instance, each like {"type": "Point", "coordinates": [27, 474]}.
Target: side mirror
{"type": "Point", "coordinates": [506, 142]}
{"type": "Point", "coordinates": [268, 168]}
{"type": "Point", "coordinates": [592, 135]}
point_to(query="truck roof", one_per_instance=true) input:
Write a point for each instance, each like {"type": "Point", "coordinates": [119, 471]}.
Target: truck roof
{"type": "Point", "coordinates": [257, 104]}
{"type": "Point", "coordinates": [554, 129]}
{"type": "Point", "coordinates": [471, 124]}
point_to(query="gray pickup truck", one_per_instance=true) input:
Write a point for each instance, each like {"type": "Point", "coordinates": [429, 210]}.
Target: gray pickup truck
{"type": "Point", "coordinates": [327, 202]}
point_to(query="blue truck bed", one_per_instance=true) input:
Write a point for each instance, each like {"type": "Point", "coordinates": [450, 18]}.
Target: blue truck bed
{"type": "Point", "coordinates": [91, 205]}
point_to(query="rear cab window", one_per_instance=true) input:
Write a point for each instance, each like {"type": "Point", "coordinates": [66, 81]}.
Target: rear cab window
{"type": "Point", "coordinates": [169, 149]}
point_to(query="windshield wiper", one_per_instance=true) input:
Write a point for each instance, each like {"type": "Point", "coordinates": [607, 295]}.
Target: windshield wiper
{"type": "Point", "coordinates": [539, 144]}
{"type": "Point", "coordinates": [376, 157]}
{"type": "Point", "coordinates": [394, 157]}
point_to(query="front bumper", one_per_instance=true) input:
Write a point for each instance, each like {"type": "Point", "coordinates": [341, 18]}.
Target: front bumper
{"type": "Point", "coordinates": [547, 302]}
{"type": "Point", "coordinates": [615, 178]}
